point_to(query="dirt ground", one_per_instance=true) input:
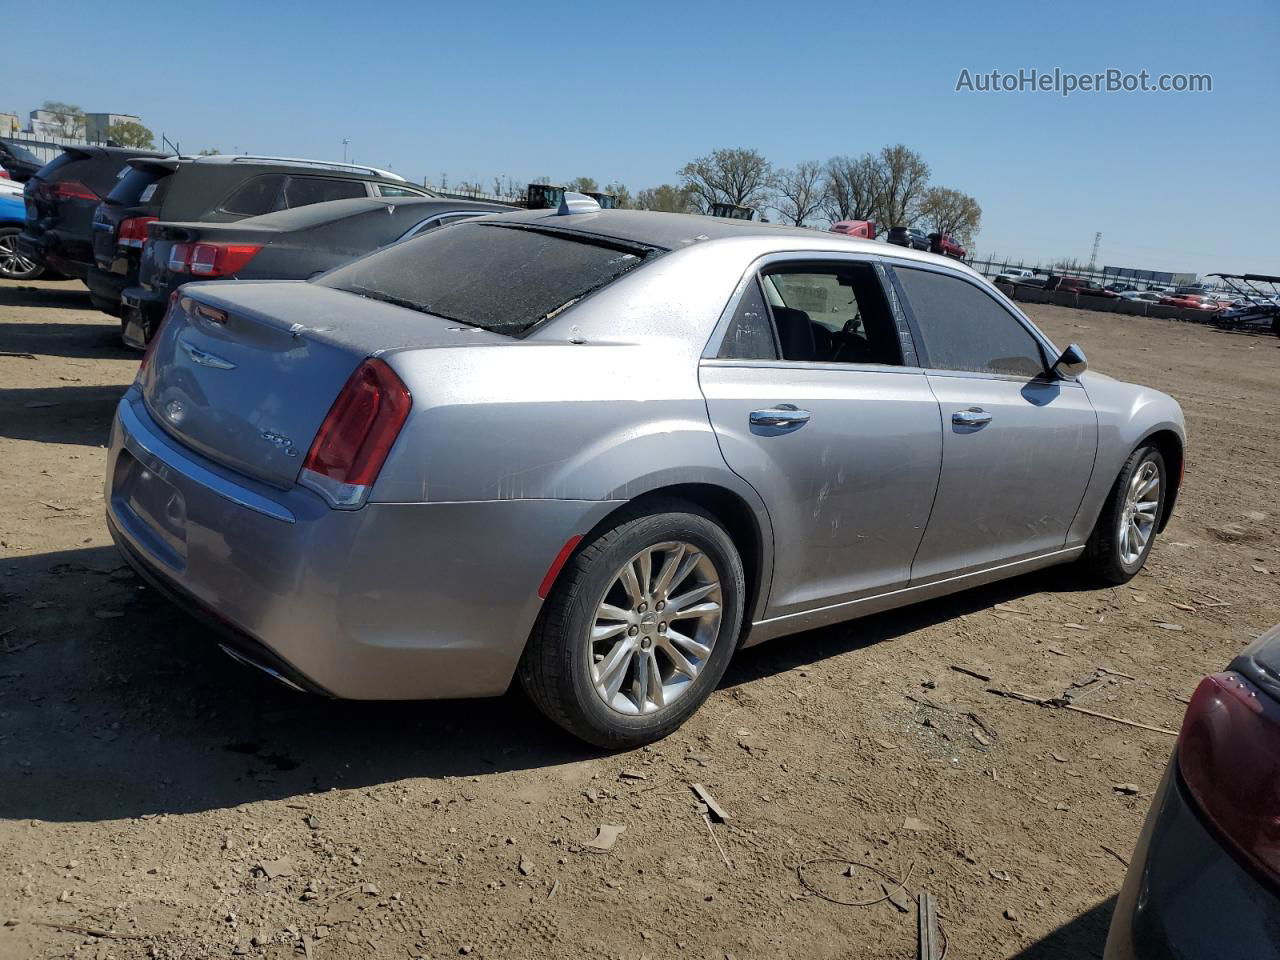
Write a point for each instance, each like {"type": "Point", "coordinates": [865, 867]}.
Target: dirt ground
{"type": "Point", "coordinates": [159, 800]}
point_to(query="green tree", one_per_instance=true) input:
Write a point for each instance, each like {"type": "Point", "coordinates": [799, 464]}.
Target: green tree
{"type": "Point", "coordinates": [209, 152]}
{"type": "Point", "coordinates": [67, 117]}
{"type": "Point", "coordinates": [949, 211]}
{"type": "Point", "coordinates": [732, 175]}
{"type": "Point", "coordinates": [127, 133]}
{"type": "Point", "coordinates": [623, 195]}
{"type": "Point", "coordinates": [583, 185]}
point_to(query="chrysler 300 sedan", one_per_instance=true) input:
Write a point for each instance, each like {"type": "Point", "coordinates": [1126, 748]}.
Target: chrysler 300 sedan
{"type": "Point", "coordinates": [603, 450]}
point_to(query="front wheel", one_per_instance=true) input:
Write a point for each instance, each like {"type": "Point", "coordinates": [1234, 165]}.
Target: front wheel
{"type": "Point", "coordinates": [1126, 529]}
{"type": "Point", "coordinates": [13, 265]}
{"type": "Point", "coordinates": [639, 628]}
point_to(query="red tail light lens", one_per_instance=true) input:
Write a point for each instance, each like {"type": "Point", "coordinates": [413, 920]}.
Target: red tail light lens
{"type": "Point", "coordinates": [1229, 758]}
{"type": "Point", "coordinates": [221, 259]}
{"type": "Point", "coordinates": [356, 436]}
{"type": "Point", "coordinates": [133, 232]}
{"type": "Point", "coordinates": [72, 190]}
{"type": "Point", "coordinates": [179, 257]}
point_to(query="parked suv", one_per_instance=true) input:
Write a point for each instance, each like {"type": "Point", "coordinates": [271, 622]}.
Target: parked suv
{"type": "Point", "coordinates": [908, 237]}
{"type": "Point", "coordinates": [61, 197]}
{"type": "Point", "coordinates": [217, 189]}
{"type": "Point", "coordinates": [946, 245]}
{"type": "Point", "coordinates": [1086, 288]}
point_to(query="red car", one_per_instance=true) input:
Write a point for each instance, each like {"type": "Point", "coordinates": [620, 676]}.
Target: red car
{"type": "Point", "coordinates": [1079, 285]}
{"type": "Point", "coordinates": [946, 245]}
{"type": "Point", "coordinates": [1192, 301]}
{"type": "Point", "coordinates": [855, 228]}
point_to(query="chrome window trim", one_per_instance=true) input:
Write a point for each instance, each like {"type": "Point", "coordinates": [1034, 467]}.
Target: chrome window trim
{"type": "Point", "coordinates": [1051, 351]}
{"type": "Point", "coordinates": [421, 224]}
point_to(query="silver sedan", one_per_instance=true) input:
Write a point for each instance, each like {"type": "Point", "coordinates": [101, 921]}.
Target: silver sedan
{"type": "Point", "coordinates": [602, 450]}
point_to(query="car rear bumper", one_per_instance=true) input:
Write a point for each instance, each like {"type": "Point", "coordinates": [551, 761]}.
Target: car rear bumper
{"type": "Point", "coordinates": [105, 289]}
{"type": "Point", "coordinates": [1185, 896]}
{"type": "Point", "coordinates": [48, 248]}
{"type": "Point", "coordinates": [392, 601]}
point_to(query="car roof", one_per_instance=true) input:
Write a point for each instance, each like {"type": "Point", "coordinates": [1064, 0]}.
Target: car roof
{"type": "Point", "coordinates": [331, 211]}
{"type": "Point", "coordinates": [220, 159]}
{"type": "Point", "coordinates": [672, 231]}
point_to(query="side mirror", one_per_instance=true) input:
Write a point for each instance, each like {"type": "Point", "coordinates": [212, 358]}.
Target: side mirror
{"type": "Point", "coordinates": [1072, 363]}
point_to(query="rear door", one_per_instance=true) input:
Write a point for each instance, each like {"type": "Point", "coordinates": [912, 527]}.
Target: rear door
{"type": "Point", "coordinates": [1018, 443]}
{"type": "Point", "coordinates": [818, 403]}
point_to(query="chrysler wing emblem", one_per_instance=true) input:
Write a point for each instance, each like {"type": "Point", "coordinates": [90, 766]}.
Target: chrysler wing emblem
{"type": "Point", "coordinates": [206, 359]}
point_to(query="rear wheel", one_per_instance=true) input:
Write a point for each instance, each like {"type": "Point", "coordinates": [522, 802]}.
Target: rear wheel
{"type": "Point", "coordinates": [13, 265]}
{"type": "Point", "coordinates": [639, 628]}
{"type": "Point", "coordinates": [1126, 529]}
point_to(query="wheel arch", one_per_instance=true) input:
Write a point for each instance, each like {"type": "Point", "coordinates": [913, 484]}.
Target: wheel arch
{"type": "Point", "coordinates": [1170, 445]}
{"type": "Point", "coordinates": [747, 525]}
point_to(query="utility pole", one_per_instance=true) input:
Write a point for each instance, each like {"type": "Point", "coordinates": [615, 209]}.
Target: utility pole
{"type": "Point", "coordinates": [1093, 257]}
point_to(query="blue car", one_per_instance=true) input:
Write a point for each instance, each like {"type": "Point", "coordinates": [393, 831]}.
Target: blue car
{"type": "Point", "coordinates": [14, 266]}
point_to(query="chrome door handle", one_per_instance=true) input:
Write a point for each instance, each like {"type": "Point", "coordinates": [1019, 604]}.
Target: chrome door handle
{"type": "Point", "coordinates": [973, 417]}
{"type": "Point", "coordinates": [783, 415]}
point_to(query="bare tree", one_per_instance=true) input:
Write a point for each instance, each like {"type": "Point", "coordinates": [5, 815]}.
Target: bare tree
{"type": "Point", "coordinates": [800, 192]}
{"type": "Point", "coordinates": [665, 199]}
{"type": "Point", "coordinates": [731, 175]}
{"type": "Point", "coordinates": [901, 176]}
{"type": "Point", "coordinates": [68, 117]}
{"type": "Point", "coordinates": [945, 210]}
{"type": "Point", "coordinates": [851, 188]}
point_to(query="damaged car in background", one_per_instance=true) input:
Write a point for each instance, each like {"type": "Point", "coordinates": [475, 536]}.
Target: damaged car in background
{"type": "Point", "coordinates": [600, 451]}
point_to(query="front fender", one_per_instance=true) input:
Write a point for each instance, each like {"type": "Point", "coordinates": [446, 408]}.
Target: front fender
{"type": "Point", "coordinates": [1128, 416]}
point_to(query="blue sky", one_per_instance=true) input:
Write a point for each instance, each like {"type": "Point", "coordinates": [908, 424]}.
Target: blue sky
{"type": "Point", "coordinates": [1173, 181]}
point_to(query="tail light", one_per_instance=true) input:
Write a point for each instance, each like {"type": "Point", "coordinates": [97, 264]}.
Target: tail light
{"type": "Point", "coordinates": [72, 190]}
{"type": "Point", "coordinates": [155, 336]}
{"type": "Point", "coordinates": [179, 257]}
{"type": "Point", "coordinates": [133, 231]}
{"type": "Point", "coordinates": [220, 259]}
{"type": "Point", "coordinates": [356, 436]}
{"type": "Point", "coordinates": [1229, 758]}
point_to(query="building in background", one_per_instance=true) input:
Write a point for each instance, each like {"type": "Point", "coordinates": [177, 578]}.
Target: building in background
{"type": "Point", "coordinates": [9, 124]}
{"type": "Point", "coordinates": [96, 125]}
{"type": "Point", "coordinates": [1148, 276]}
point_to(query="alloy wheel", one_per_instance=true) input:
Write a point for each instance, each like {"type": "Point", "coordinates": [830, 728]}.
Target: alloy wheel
{"type": "Point", "coordinates": [12, 264]}
{"type": "Point", "coordinates": [1138, 518]}
{"type": "Point", "coordinates": [654, 628]}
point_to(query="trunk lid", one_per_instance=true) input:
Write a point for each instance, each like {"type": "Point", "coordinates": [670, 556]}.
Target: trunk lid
{"type": "Point", "coordinates": [245, 372]}
{"type": "Point", "coordinates": [139, 193]}
{"type": "Point", "coordinates": [153, 270]}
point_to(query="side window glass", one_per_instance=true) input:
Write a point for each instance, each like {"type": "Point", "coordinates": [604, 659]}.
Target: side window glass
{"type": "Point", "coordinates": [964, 328]}
{"type": "Point", "coordinates": [832, 314]}
{"type": "Point", "coordinates": [387, 190]}
{"type": "Point", "coordinates": [255, 196]}
{"type": "Point", "coordinates": [750, 333]}
{"type": "Point", "coordinates": [303, 191]}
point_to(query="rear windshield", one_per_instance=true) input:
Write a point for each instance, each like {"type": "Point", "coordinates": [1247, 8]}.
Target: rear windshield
{"type": "Point", "coordinates": [499, 277]}
{"type": "Point", "coordinates": [98, 173]}
{"type": "Point", "coordinates": [139, 185]}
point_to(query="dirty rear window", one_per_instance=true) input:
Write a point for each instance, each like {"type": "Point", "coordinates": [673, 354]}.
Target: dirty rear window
{"type": "Point", "coordinates": [139, 185]}
{"type": "Point", "coordinates": [502, 278]}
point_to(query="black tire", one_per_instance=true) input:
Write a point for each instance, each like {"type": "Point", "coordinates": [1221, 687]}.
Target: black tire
{"type": "Point", "coordinates": [8, 254]}
{"type": "Point", "coordinates": [1103, 561]}
{"type": "Point", "coordinates": [554, 669]}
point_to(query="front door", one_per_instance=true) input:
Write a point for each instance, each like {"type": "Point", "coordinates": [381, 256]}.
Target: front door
{"type": "Point", "coordinates": [1018, 443]}
{"type": "Point", "coordinates": [814, 407]}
